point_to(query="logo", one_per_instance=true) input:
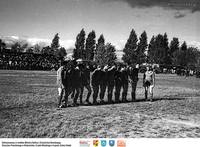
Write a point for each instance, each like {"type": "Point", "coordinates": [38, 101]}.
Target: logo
{"type": "Point", "coordinates": [103, 143]}
{"type": "Point", "coordinates": [121, 143]}
{"type": "Point", "coordinates": [95, 143]}
{"type": "Point", "coordinates": [84, 143]}
{"type": "Point", "coordinates": [111, 143]}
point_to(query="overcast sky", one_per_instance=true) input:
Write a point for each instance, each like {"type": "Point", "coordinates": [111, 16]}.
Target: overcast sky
{"type": "Point", "coordinates": [41, 19]}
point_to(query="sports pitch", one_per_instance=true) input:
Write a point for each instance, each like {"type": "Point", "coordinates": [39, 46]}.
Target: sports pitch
{"type": "Point", "coordinates": [28, 101]}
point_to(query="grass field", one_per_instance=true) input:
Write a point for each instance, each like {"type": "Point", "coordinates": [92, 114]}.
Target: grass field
{"type": "Point", "coordinates": [28, 101]}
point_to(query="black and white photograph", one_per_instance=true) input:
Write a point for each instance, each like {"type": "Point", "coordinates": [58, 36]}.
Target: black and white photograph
{"type": "Point", "coordinates": [100, 69]}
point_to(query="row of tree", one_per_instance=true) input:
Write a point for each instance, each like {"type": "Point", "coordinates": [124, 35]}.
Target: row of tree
{"type": "Point", "coordinates": [54, 49]}
{"type": "Point", "coordinates": [101, 52]}
{"type": "Point", "coordinates": [136, 50]}
{"type": "Point", "coordinates": [159, 51]}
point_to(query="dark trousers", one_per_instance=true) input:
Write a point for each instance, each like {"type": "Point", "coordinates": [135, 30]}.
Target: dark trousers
{"type": "Point", "coordinates": [88, 87]}
{"type": "Point", "coordinates": [95, 88]}
{"type": "Point", "coordinates": [125, 91]}
{"type": "Point", "coordinates": [110, 91]}
{"type": "Point", "coordinates": [102, 90]}
{"type": "Point", "coordinates": [64, 92]}
{"type": "Point", "coordinates": [133, 93]}
{"type": "Point", "coordinates": [118, 87]}
{"type": "Point", "coordinates": [77, 93]}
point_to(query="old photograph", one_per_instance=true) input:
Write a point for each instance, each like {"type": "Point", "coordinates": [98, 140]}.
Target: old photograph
{"type": "Point", "coordinates": [99, 69]}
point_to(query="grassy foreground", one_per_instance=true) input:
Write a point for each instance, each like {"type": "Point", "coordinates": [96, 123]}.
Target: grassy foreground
{"type": "Point", "coordinates": [28, 102]}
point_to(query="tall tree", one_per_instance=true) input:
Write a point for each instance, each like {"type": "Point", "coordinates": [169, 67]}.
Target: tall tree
{"type": "Point", "coordinates": [61, 53]}
{"type": "Point", "coordinates": [16, 47]}
{"type": "Point", "coordinates": [130, 54]}
{"type": "Point", "coordinates": [183, 54]}
{"type": "Point", "coordinates": [100, 57]}
{"type": "Point", "coordinates": [101, 40]}
{"type": "Point", "coordinates": [90, 45]}
{"type": "Point", "coordinates": [105, 54]}
{"type": "Point", "coordinates": [2, 45]}
{"type": "Point", "coordinates": [151, 51]}
{"type": "Point", "coordinates": [159, 49]}
{"type": "Point", "coordinates": [110, 54]}
{"type": "Point", "coordinates": [47, 50]}
{"type": "Point", "coordinates": [24, 47]}
{"type": "Point", "coordinates": [36, 49]}
{"type": "Point", "coordinates": [141, 49]}
{"type": "Point", "coordinates": [174, 49]}
{"type": "Point", "coordinates": [55, 44]}
{"type": "Point", "coordinates": [184, 46]}
{"type": "Point", "coordinates": [174, 45]}
{"type": "Point", "coordinates": [166, 56]}
{"type": "Point", "coordinates": [192, 55]}
{"type": "Point", "coordinates": [80, 45]}
{"type": "Point", "coordinates": [29, 50]}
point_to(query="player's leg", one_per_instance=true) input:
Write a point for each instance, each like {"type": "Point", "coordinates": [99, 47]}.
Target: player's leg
{"type": "Point", "coordinates": [151, 92]}
{"type": "Point", "coordinates": [88, 87]}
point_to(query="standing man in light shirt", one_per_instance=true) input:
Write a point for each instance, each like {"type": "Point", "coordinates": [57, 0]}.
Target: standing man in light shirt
{"type": "Point", "coordinates": [61, 82]}
{"type": "Point", "coordinates": [149, 82]}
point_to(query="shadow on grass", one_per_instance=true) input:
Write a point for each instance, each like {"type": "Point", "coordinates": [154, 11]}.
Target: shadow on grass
{"type": "Point", "coordinates": [53, 104]}
{"type": "Point", "coordinates": [31, 105]}
{"type": "Point", "coordinates": [136, 101]}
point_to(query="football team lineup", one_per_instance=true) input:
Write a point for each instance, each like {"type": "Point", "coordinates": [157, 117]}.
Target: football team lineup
{"type": "Point", "coordinates": [29, 109]}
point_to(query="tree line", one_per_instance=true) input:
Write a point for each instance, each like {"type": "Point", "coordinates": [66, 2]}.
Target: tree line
{"type": "Point", "coordinates": [160, 51]}
{"type": "Point", "coordinates": [88, 49]}
{"type": "Point", "coordinates": [54, 49]}
{"type": "Point", "coordinates": [137, 50]}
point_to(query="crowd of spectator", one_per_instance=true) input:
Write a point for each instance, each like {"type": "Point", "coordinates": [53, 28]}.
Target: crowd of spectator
{"type": "Point", "coordinates": [27, 61]}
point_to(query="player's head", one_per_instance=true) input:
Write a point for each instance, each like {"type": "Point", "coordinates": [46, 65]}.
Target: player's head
{"type": "Point", "coordinates": [149, 67]}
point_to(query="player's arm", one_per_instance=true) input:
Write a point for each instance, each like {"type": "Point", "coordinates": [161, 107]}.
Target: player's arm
{"type": "Point", "coordinates": [62, 77]}
{"type": "Point", "coordinates": [144, 76]}
{"type": "Point", "coordinates": [153, 79]}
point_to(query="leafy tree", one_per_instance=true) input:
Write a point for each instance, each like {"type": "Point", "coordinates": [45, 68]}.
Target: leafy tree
{"type": "Point", "coordinates": [61, 53]}
{"type": "Point", "coordinates": [184, 46]}
{"type": "Point", "coordinates": [110, 54]}
{"type": "Point", "coordinates": [47, 50]}
{"type": "Point", "coordinates": [36, 49]}
{"type": "Point", "coordinates": [75, 54]}
{"type": "Point", "coordinates": [173, 49]}
{"type": "Point", "coordinates": [55, 44]}
{"type": "Point", "coordinates": [158, 50]}
{"type": "Point", "coordinates": [90, 45]}
{"type": "Point", "coordinates": [101, 40]}
{"type": "Point", "coordinates": [24, 47]}
{"type": "Point", "coordinates": [80, 45]}
{"type": "Point", "coordinates": [141, 49]}
{"type": "Point", "coordinates": [174, 45]}
{"type": "Point", "coordinates": [151, 51]}
{"type": "Point", "coordinates": [16, 47]}
{"type": "Point", "coordinates": [183, 58]}
{"type": "Point", "coordinates": [29, 50]}
{"type": "Point", "coordinates": [105, 54]}
{"type": "Point", "coordinates": [166, 56]}
{"type": "Point", "coordinates": [130, 53]}
{"type": "Point", "coordinates": [100, 57]}
{"type": "Point", "coordinates": [2, 45]}
{"type": "Point", "coordinates": [181, 55]}
{"type": "Point", "coordinates": [192, 55]}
